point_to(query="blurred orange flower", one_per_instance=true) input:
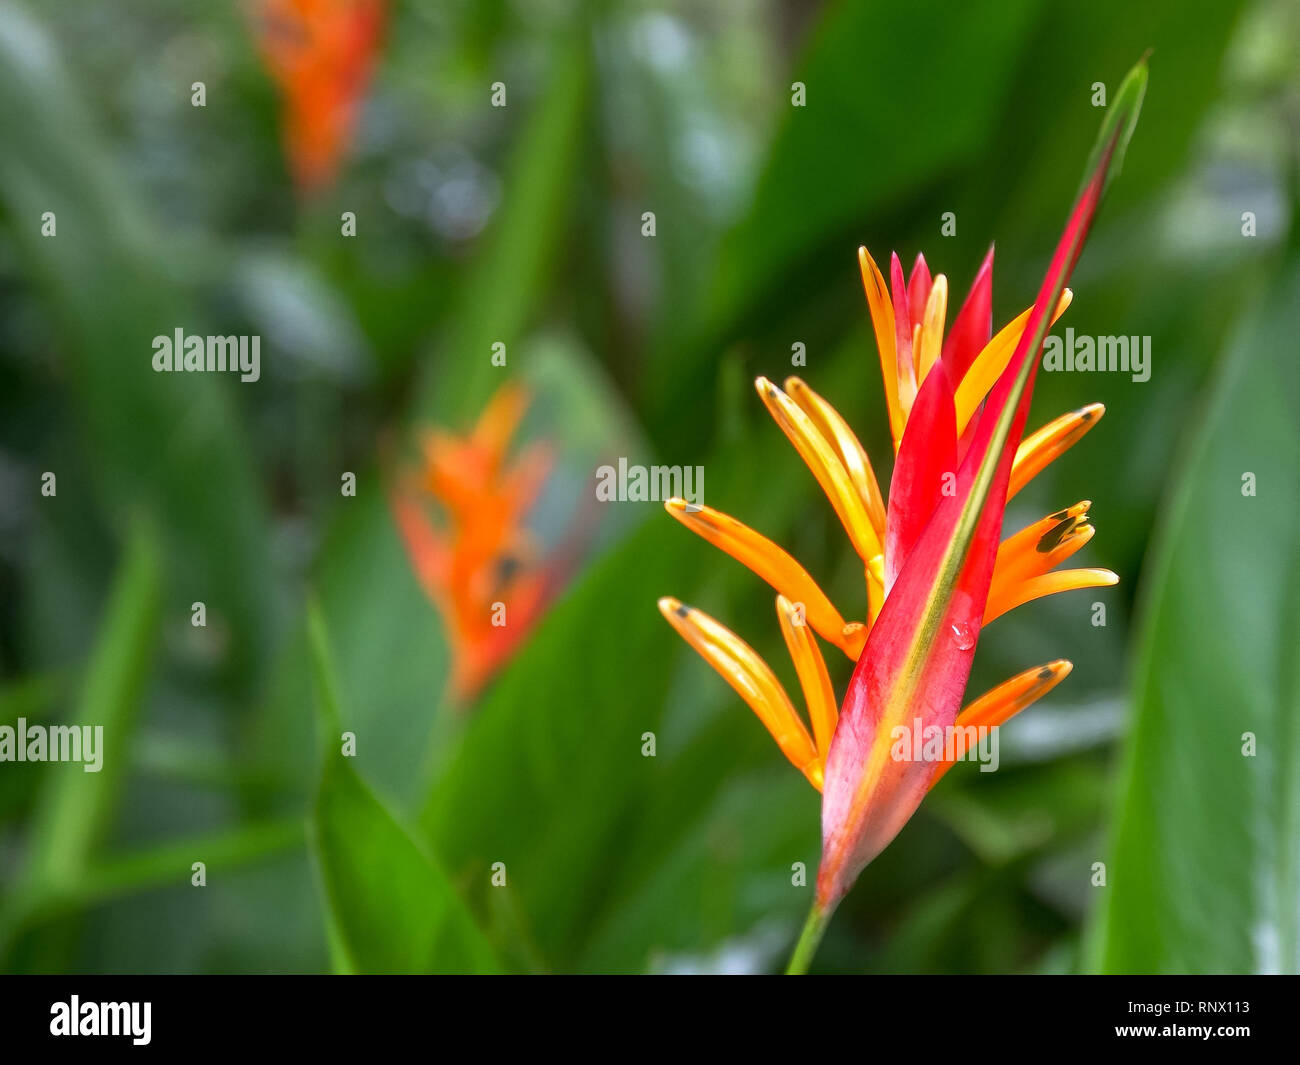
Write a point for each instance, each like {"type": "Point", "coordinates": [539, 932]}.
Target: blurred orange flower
{"type": "Point", "coordinates": [321, 53]}
{"type": "Point", "coordinates": [479, 564]}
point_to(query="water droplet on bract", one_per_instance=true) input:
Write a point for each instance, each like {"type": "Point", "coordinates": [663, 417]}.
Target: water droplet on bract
{"type": "Point", "coordinates": [963, 635]}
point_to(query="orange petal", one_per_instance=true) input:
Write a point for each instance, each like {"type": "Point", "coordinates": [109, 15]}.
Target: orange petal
{"type": "Point", "coordinates": [1047, 584]}
{"type": "Point", "coordinates": [742, 668]}
{"type": "Point", "coordinates": [1050, 442]}
{"type": "Point", "coordinates": [1029, 537]}
{"type": "Point", "coordinates": [1041, 546]}
{"type": "Point", "coordinates": [825, 465]}
{"type": "Point", "coordinates": [882, 321]}
{"type": "Point", "coordinates": [818, 694]}
{"type": "Point", "coordinates": [772, 564]}
{"type": "Point", "coordinates": [500, 418]}
{"type": "Point", "coordinates": [426, 546]}
{"type": "Point", "coordinates": [1001, 704]}
{"type": "Point", "coordinates": [847, 446]}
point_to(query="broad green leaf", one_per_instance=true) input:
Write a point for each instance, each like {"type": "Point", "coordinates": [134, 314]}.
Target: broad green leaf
{"type": "Point", "coordinates": [1203, 870]}
{"type": "Point", "coordinates": [391, 909]}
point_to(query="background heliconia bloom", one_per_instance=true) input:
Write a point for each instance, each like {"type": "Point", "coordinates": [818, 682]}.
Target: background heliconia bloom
{"type": "Point", "coordinates": [474, 556]}
{"type": "Point", "coordinates": [321, 53]}
{"type": "Point", "coordinates": [1140, 817]}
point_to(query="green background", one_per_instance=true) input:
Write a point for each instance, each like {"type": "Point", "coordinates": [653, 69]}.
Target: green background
{"type": "Point", "coordinates": [522, 225]}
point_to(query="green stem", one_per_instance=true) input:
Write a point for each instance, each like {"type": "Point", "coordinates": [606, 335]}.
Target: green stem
{"type": "Point", "coordinates": [813, 930]}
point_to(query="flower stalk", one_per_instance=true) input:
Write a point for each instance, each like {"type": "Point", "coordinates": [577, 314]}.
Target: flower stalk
{"type": "Point", "coordinates": [809, 939]}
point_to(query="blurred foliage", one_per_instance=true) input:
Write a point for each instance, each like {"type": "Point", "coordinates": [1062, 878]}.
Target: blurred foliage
{"type": "Point", "coordinates": [1209, 793]}
{"type": "Point", "coordinates": [522, 225]}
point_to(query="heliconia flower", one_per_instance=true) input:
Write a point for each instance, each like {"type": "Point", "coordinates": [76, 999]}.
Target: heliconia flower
{"type": "Point", "coordinates": [934, 569]}
{"type": "Point", "coordinates": [478, 562]}
{"type": "Point", "coordinates": [321, 53]}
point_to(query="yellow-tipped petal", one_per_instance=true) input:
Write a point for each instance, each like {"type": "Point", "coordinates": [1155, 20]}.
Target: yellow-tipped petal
{"type": "Point", "coordinates": [847, 446]}
{"type": "Point", "coordinates": [882, 322]}
{"type": "Point", "coordinates": [930, 343]}
{"type": "Point", "coordinates": [742, 668]}
{"type": "Point", "coordinates": [818, 694]}
{"type": "Point", "coordinates": [875, 587]}
{"type": "Point", "coordinates": [1043, 545]}
{"type": "Point", "coordinates": [1001, 704]}
{"type": "Point", "coordinates": [500, 418]}
{"type": "Point", "coordinates": [1029, 537]}
{"type": "Point", "coordinates": [772, 564]}
{"type": "Point", "coordinates": [825, 466]}
{"type": "Point", "coordinates": [1044, 560]}
{"type": "Point", "coordinates": [990, 363]}
{"type": "Point", "coordinates": [1044, 447]}
{"type": "Point", "coordinates": [1047, 584]}
{"type": "Point", "coordinates": [876, 569]}
{"type": "Point", "coordinates": [1033, 564]}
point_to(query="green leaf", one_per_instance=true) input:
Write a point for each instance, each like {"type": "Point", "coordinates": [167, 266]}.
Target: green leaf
{"type": "Point", "coordinates": [391, 909]}
{"type": "Point", "coordinates": [1204, 867]}
{"type": "Point", "coordinates": [75, 807]}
